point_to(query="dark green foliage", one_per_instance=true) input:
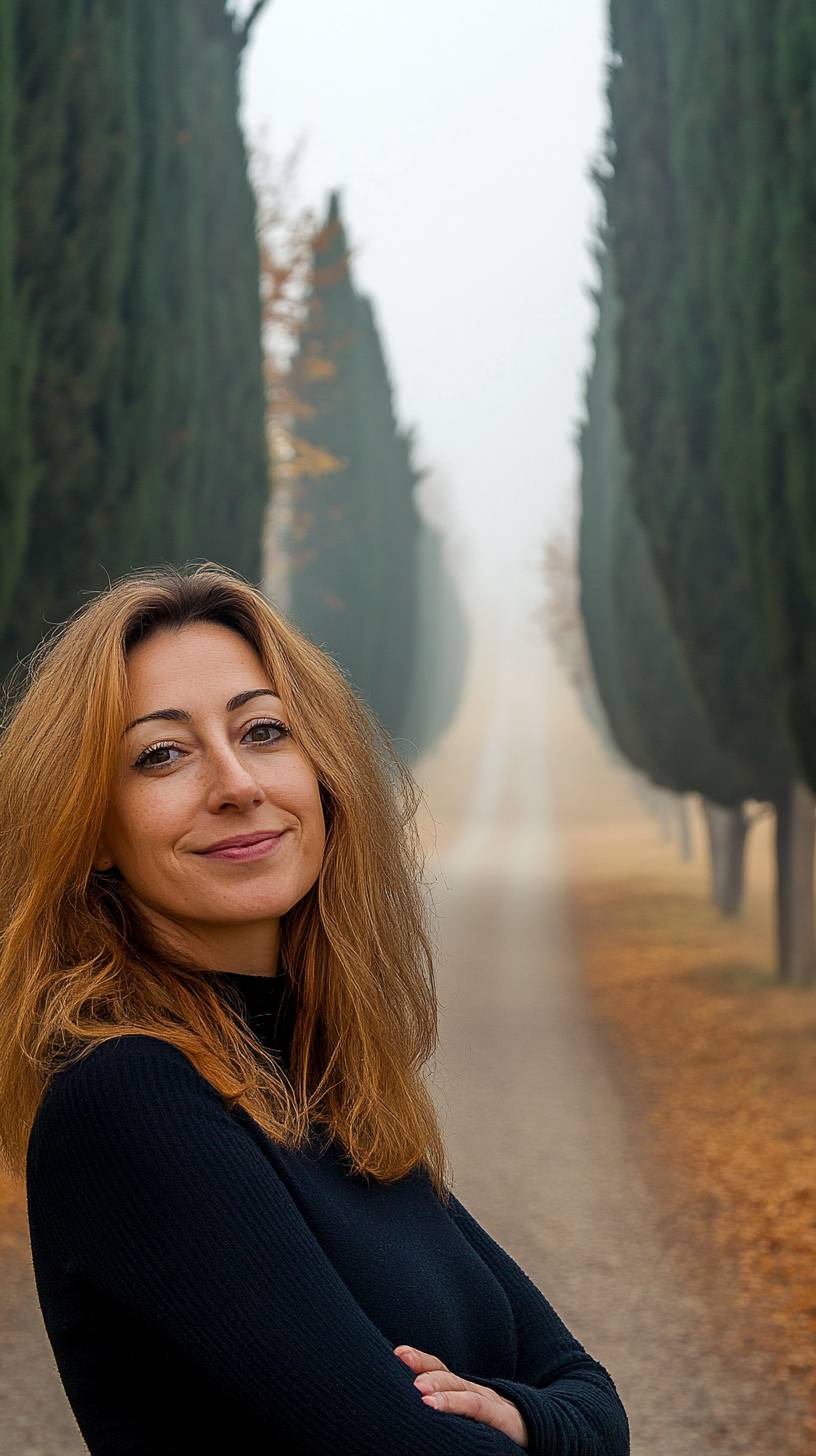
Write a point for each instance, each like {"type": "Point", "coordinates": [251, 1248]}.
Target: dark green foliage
{"type": "Point", "coordinates": [17, 344]}
{"type": "Point", "coordinates": [749, 165]}
{"type": "Point", "coordinates": [601, 472]}
{"type": "Point", "coordinates": [353, 545]}
{"type": "Point", "coordinates": [75, 207]}
{"type": "Point", "coordinates": [18, 340]}
{"type": "Point", "coordinates": [136, 262]}
{"type": "Point", "coordinates": [651, 706]}
{"type": "Point", "coordinates": [668, 199]}
{"type": "Point", "coordinates": [232, 460]}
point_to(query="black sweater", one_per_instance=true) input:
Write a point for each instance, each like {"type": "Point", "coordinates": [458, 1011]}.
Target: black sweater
{"type": "Point", "coordinates": [204, 1290]}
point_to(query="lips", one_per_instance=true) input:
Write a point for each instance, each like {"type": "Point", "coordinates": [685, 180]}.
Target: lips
{"type": "Point", "coordinates": [242, 840]}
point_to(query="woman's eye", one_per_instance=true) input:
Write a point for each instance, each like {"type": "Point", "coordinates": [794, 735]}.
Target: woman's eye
{"type": "Point", "coordinates": [146, 757]}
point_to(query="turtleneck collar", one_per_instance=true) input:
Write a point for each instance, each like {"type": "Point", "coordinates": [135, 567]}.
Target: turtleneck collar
{"type": "Point", "coordinates": [268, 1003]}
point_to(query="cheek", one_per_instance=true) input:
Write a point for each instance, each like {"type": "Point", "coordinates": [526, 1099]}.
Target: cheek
{"type": "Point", "coordinates": [148, 820]}
{"type": "Point", "coordinates": [309, 810]}
{"type": "Point", "coordinates": [298, 789]}
{"type": "Point", "coordinates": [317, 816]}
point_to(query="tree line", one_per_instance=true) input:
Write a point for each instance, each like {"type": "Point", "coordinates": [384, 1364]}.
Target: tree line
{"type": "Point", "coordinates": [698, 507]}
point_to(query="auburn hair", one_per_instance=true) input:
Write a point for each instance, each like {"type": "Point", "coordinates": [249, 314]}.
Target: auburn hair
{"type": "Point", "coordinates": [79, 964]}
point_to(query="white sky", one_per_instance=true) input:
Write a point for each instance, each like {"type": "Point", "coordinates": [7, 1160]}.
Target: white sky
{"type": "Point", "coordinates": [460, 135]}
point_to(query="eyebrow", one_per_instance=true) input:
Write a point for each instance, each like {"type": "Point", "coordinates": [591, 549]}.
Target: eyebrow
{"type": "Point", "coordinates": [180, 715]}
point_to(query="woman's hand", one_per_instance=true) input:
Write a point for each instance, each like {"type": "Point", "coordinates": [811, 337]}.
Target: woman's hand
{"type": "Point", "coordinates": [448, 1392]}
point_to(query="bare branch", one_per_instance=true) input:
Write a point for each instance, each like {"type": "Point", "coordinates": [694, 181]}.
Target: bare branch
{"type": "Point", "coordinates": [243, 33]}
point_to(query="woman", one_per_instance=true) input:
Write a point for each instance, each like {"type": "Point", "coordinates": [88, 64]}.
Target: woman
{"type": "Point", "coordinates": [240, 1225]}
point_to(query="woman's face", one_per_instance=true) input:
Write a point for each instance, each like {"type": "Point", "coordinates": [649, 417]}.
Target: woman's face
{"type": "Point", "coordinates": [225, 772]}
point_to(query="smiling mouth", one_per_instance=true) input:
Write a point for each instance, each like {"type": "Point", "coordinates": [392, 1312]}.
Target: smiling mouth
{"type": "Point", "coordinates": [238, 852]}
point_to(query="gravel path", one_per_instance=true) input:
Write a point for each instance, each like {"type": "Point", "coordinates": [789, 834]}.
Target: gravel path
{"type": "Point", "coordinates": [35, 1417]}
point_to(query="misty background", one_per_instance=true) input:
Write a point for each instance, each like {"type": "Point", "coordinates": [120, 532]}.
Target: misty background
{"type": "Point", "coordinates": [461, 137]}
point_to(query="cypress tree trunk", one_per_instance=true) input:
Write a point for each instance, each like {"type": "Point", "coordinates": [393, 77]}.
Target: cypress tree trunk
{"type": "Point", "coordinates": [727, 833]}
{"type": "Point", "coordinates": [663, 814]}
{"type": "Point", "coordinates": [683, 828]}
{"type": "Point", "coordinates": [796, 947]}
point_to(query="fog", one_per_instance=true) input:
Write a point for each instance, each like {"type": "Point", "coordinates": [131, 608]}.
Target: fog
{"type": "Point", "coordinates": [461, 138]}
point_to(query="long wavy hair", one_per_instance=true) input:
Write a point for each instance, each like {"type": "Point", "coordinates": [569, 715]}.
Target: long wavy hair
{"type": "Point", "coordinates": [79, 964]}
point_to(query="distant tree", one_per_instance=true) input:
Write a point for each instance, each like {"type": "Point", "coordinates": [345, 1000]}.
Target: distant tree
{"type": "Point", "coordinates": [426, 693]}
{"type": "Point", "coordinates": [444, 633]}
{"type": "Point", "coordinates": [560, 616]}
{"type": "Point", "coordinates": [285, 240]}
{"type": "Point", "coordinates": [352, 546]}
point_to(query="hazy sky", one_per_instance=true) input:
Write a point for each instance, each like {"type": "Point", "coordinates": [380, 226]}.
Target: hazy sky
{"type": "Point", "coordinates": [460, 135]}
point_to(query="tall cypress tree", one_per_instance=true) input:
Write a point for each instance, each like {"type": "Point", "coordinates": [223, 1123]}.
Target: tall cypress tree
{"type": "Point", "coordinates": [231, 476]}
{"type": "Point", "coordinates": [353, 541]}
{"type": "Point", "coordinates": [18, 338]}
{"type": "Point", "coordinates": [666, 213]}
{"type": "Point", "coordinates": [386, 463]}
{"type": "Point", "coordinates": [653, 711]}
{"type": "Point", "coordinates": [72, 207]}
{"type": "Point", "coordinates": [327, 543]}
{"type": "Point", "coordinates": [752, 157]}
{"type": "Point", "coordinates": [134, 244]}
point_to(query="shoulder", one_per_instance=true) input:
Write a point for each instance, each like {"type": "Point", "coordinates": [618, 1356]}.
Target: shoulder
{"type": "Point", "coordinates": [132, 1125]}
{"type": "Point", "coordinates": [127, 1082]}
{"type": "Point", "coordinates": [120, 1061]}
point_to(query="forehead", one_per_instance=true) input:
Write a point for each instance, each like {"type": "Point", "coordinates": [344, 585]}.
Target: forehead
{"type": "Point", "coordinates": [200, 653]}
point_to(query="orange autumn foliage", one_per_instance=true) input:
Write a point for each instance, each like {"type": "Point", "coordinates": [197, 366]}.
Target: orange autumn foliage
{"type": "Point", "coordinates": [717, 1063]}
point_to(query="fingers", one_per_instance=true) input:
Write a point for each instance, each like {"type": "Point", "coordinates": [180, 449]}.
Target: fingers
{"type": "Point", "coordinates": [477, 1403]}
{"type": "Point", "coordinates": [432, 1374]}
{"type": "Point", "coordinates": [444, 1390]}
{"type": "Point", "coordinates": [465, 1402]}
{"type": "Point", "coordinates": [419, 1360]}
{"type": "Point", "coordinates": [445, 1382]}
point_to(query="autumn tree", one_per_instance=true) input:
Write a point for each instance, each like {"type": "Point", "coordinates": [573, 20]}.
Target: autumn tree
{"type": "Point", "coordinates": [286, 237]}
{"type": "Point", "coordinates": [352, 543]}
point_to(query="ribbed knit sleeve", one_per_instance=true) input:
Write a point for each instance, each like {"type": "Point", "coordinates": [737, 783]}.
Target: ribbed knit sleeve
{"type": "Point", "coordinates": [568, 1401]}
{"type": "Point", "coordinates": [164, 1201]}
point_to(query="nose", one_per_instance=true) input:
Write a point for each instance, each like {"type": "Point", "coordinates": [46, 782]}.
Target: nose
{"type": "Point", "coordinates": [231, 778]}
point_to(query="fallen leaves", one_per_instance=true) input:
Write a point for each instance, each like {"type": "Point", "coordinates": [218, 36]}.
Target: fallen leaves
{"type": "Point", "coordinates": [720, 1064]}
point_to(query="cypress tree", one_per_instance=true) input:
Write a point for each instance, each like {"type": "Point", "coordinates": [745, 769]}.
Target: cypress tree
{"type": "Point", "coordinates": [386, 463]}
{"type": "Point", "coordinates": [72, 195]}
{"type": "Point", "coordinates": [752, 158]}
{"type": "Point", "coordinates": [135, 253]}
{"type": "Point", "coordinates": [353, 541]}
{"type": "Point", "coordinates": [442, 648]}
{"type": "Point", "coordinates": [18, 338]}
{"type": "Point", "coordinates": [231, 474]}
{"type": "Point", "coordinates": [327, 542]}
{"type": "Point", "coordinates": [653, 711]}
{"type": "Point", "coordinates": [667, 200]}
